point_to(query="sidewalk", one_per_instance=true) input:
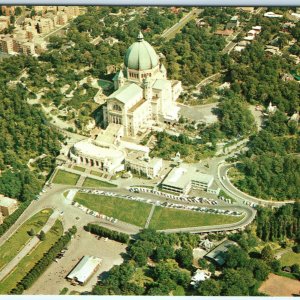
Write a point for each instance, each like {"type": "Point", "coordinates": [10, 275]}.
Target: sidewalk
{"type": "Point", "coordinates": [28, 247]}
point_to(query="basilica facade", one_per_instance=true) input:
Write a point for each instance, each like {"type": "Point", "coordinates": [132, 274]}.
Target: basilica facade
{"type": "Point", "coordinates": [143, 95]}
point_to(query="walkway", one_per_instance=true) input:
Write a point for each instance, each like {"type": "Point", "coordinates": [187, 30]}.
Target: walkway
{"type": "Point", "coordinates": [28, 247]}
{"type": "Point", "coordinates": [150, 216]}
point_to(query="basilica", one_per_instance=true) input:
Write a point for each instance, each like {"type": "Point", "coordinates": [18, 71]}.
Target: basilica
{"type": "Point", "coordinates": [143, 98]}
{"type": "Point", "coordinates": [143, 95]}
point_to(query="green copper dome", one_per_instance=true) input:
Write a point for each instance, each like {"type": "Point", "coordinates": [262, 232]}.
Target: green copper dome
{"type": "Point", "coordinates": [141, 55]}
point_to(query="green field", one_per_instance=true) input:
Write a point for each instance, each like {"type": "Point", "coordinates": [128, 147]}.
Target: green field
{"type": "Point", "coordinates": [64, 177]}
{"type": "Point", "coordinates": [290, 258]}
{"type": "Point", "coordinates": [90, 182]}
{"type": "Point", "coordinates": [81, 169]}
{"type": "Point", "coordinates": [132, 212]}
{"type": "Point", "coordinates": [169, 218]}
{"type": "Point", "coordinates": [96, 173]}
{"type": "Point", "coordinates": [16, 242]}
{"type": "Point", "coordinates": [27, 263]}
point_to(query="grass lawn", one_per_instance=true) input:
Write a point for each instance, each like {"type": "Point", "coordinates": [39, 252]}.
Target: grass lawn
{"type": "Point", "coordinates": [18, 240]}
{"type": "Point", "coordinates": [64, 177]}
{"type": "Point", "coordinates": [132, 212]}
{"type": "Point", "coordinates": [28, 262]}
{"type": "Point", "coordinates": [81, 169]}
{"type": "Point", "coordinates": [290, 258]}
{"type": "Point", "coordinates": [96, 173]}
{"type": "Point", "coordinates": [169, 218]}
{"type": "Point", "coordinates": [90, 182]}
{"type": "Point", "coordinates": [139, 278]}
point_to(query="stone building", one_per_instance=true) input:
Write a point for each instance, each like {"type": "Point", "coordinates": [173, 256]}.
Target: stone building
{"type": "Point", "coordinates": [143, 94]}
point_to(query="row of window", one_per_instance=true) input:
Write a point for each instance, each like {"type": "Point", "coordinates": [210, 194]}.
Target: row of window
{"type": "Point", "coordinates": [134, 75]}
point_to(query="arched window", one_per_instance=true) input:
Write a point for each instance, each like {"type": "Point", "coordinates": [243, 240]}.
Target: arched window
{"type": "Point", "coordinates": [117, 107]}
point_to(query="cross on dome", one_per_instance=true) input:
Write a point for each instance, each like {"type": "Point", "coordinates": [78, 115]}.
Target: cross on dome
{"type": "Point", "coordinates": [140, 37]}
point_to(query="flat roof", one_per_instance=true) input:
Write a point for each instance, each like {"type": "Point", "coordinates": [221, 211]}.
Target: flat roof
{"type": "Point", "coordinates": [5, 201]}
{"type": "Point", "coordinates": [182, 175]}
{"type": "Point", "coordinates": [217, 254]}
{"type": "Point", "coordinates": [127, 93]}
{"type": "Point", "coordinates": [85, 268]}
{"type": "Point", "coordinates": [89, 149]}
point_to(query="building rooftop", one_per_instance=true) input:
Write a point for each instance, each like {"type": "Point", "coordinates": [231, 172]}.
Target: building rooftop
{"type": "Point", "coordinates": [217, 254]}
{"type": "Point", "coordinates": [89, 149]}
{"type": "Point", "coordinates": [127, 93]}
{"type": "Point", "coordinates": [85, 268]}
{"type": "Point", "coordinates": [182, 175]}
{"type": "Point", "coordinates": [161, 84]}
{"type": "Point", "coordinates": [5, 201]}
{"type": "Point", "coordinates": [141, 55]}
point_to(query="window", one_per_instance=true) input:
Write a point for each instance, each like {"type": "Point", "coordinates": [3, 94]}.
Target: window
{"type": "Point", "coordinates": [117, 107]}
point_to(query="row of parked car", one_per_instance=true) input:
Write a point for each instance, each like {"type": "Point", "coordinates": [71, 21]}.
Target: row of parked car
{"type": "Point", "coordinates": [202, 209]}
{"type": "Point", "coordinates": [165, 204]}
{"type": "Point", "coordinates": [174, 197]}
{"type": "Point", "coordinates": [94, 213]}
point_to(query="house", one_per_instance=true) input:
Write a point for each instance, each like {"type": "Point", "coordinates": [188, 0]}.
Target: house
{"type": "Point", "coordinates": [257, 29]}
{"type": "Point", "coordinates": [199, 275]}
{"type": "Point", "coordinates": [226, 32]}
{"type": "Point", "coordinates": [7, 205]}
{"type": "Point", "coordinates": [233, 23]}
{"type": "Point", "coordinates": [271, 14]}
{"type": "Point", "coordinates": [246, 9]}
{"type": "Point", "coordinates": [217, 255]}
{"type": "Point", "coordinates": [86, 267]}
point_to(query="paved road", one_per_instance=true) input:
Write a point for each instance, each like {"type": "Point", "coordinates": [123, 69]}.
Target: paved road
{"type": "Point", "coordinates": [150, 216]}
{"type": "Point", "coordinates": [167, 34]}
{"type": "Point", "coordinates": [229, 187]}
{"type": "Point", "coordinates": [199, 113]}
{"type": "Point", "coordinates": [248, 219]}
{"type": "Point", "coordinates": [28, 247]}
{"type": "Point", "coordinates": [208, 80]}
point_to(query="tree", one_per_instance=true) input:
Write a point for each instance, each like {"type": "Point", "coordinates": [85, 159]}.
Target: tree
{"type": "Point", "coordinates": [259, 268]}
{"type": "Point", "coordinates": [42, 235]}
{"type": "Point", "coordinates": [209, 287]}
{"type": "Point", "coordinates": [163, 252]}
{"type": "Point", "coordinates": [235, 117]}
{"type": "Point", "coordinates": [184, 257]}
{"type": "Point", "coordinates": [18, 11]}
{"type": "Point", "coordinates": [267, 254]}
{"type": "Point", "coordinates": [235, 257]}
{"type": "Point", "coordinates": [295, 268]}
{"type": "Point", "coordinates": [202, 263]}
{"type": "Point", "coordinates": [31, 232]}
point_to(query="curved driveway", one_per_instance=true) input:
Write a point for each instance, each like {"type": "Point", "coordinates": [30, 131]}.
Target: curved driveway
{"type": "Point", "coordinates": [53, 197]}
{"type": "Point", "coordinates": [232, 190]}
{"type": "Point", "coordinates": [238, 194]}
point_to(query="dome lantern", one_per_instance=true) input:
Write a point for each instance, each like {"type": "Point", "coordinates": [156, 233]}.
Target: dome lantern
{"type": "Point", "coordinates": [141, 56]}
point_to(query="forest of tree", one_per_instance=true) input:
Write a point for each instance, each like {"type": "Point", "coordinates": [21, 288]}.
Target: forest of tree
{"type": "Point", "coordinates": [162, 264]}
{"type": "Point", "coordinates": [278, 224]}
{"type": "Point", "coordinates": [25, 134]}
{"type": "Point", "coordinates": [193, 54]}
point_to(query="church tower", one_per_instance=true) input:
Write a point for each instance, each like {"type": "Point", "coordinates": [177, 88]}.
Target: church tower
{"type": "Point", "coordinates": [147, 88]}
{"type": "Point", "coordinates": [163, 71]}
{"type": "Point", "coordinates": [119, 80]}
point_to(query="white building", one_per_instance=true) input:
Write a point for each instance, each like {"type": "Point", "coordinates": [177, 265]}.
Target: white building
{"type": "Point", "coordinates": [183, 178]}
{"type": "Point", "coordinates": [7, 205]}
{"type": "Point", "coordinates": [84, 269]}
{"type": "Point", "coordinates": [143, 164]}
{"type": "Point", "coordinates": [199, 276]}
{"type": "Point", "coordinates": [106, 158]}
{"type": "Point", "coordinates": [143, 93]}
{"type": "Point", "coordinates": [271, 14]}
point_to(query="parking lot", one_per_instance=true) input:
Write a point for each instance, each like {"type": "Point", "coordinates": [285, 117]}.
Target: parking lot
{"type": "Point", "coordinates": [186, 205]}
{"type": "Point", "coordinates": [83, 244]}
